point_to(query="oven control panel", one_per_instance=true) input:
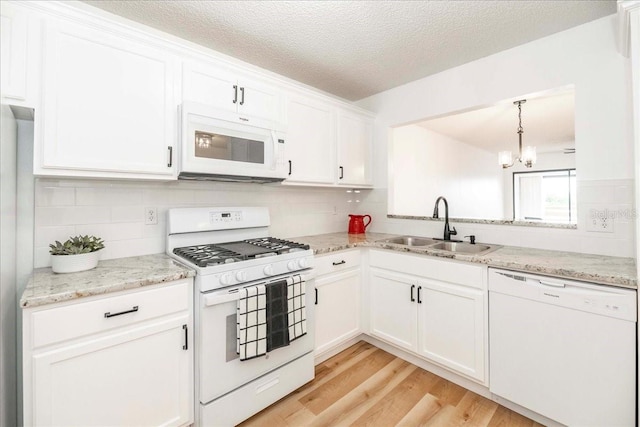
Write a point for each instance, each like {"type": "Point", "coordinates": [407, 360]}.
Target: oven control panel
{"type": "Point", "coordinates": [225, 216]}
{"type": "Point", "coordinates": [236, 273]}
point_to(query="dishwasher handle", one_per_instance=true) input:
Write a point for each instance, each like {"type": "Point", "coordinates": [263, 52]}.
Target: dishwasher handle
{"type": "Point", "coordinates": [552, 284]}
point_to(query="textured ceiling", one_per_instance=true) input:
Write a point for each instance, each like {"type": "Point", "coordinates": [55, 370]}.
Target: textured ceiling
{"type": "Point", "coordinates": [355, 49]}
{"type": "Point", "coordinates": [547, 121]}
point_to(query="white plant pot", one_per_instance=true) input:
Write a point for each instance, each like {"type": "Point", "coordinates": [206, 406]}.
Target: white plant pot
{"type": "Point", "coordinates": [74, 263]}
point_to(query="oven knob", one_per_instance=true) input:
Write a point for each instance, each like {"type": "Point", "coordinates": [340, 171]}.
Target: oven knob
{"type": "Point", "coordinates": [268, 270]}
{"type": "Point", "coordinates": [302, 263]}
{"type": "Point", "coordinates": [241, 276]}
{"type": "Point", "coordinates": [226, 279]}
{"type": "Point", "coordinates": [292, 265]}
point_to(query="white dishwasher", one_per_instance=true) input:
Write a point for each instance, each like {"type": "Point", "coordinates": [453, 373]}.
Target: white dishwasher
{"type": "Point", "coordinates": [563, 349]}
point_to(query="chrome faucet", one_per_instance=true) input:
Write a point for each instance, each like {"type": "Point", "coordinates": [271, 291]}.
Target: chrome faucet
{"type": "Point", "coordinates": [447, 233]}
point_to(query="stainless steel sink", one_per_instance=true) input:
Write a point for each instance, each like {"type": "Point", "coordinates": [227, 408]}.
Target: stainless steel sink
{"type": "Point", "coordinates": [410, 241]}
{"type": "Point", "coordinates": [463, 248]}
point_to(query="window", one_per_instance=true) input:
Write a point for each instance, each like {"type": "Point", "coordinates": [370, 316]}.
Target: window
{"type": "Point", "coordinates": [545, 196]}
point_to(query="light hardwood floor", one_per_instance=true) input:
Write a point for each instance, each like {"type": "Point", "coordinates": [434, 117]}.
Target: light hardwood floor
{"type": "Point", "coordinates": [366, 386]}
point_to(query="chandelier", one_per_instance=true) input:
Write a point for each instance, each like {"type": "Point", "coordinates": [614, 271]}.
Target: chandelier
{"type": "Point", "coordinates": [526, 156]}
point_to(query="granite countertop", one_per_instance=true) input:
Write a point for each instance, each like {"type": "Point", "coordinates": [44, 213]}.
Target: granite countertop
{"type": "Point", "coordinates": [600, 269]}
{"type": "Point", "coordinates": [47, 287]}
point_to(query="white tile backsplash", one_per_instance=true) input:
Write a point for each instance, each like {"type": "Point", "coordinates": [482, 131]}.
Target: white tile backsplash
{"type": "Point", "coordinates": [615, 195]}
{"type": "Point", "coordinates": [107, 197]}
{"type": "Point", "coordinates": [56, 196]}
{"type": "Point", "coordinates": [114, 210]}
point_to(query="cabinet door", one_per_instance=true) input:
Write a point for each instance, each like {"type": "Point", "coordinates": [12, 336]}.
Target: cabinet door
{"type": "Point", "coordinates": [337, 309]}
{"type": "Point", "coordinates": [355, 137]}
{"type": "Point", "coordinates": [452, 326]}
{"type": "Point", "coordinates": [13, 48]}
{"type": "Point", "coordinates": [108, 103]}
{"type": "Point", "coordinates": [137, 377]}
{"type": "Point", "coordinates": [392, 308]}
{"type": "Point", "coordinates": [259, 101]}
{"type": "Point", "coordinates": [209, 85]}
{"type": "Point", "coordinates": [250, 100]}
{"type": "Point", "coordinates": [310, 143]}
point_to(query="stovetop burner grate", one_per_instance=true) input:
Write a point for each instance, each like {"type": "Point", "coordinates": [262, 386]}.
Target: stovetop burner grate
{"type": "Point", "coordinates": [279, 246]}
{"type": "Point", "coordinates": [222, 253]}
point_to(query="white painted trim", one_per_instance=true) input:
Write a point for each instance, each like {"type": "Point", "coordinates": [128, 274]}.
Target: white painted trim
{"type": "Point", "coordinates": [634, 50]}
{"type": "Point", "coordinates": [625, 7]}
{"type": "Point", "coordinates": [321, 357]}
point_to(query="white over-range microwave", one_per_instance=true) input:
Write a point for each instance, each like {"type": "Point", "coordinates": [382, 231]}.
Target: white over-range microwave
{"type": "Point", "coordinates": [218, 145]}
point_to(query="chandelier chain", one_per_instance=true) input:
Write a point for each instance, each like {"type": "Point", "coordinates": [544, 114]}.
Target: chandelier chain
{"type": "Point", "coordinates": [520, 130]}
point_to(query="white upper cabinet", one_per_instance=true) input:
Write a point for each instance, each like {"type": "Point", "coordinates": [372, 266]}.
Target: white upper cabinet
{"type": "Point", "coordinates": [355, 139]}
{"type": "Point", "coordinates": [20, 46]}
{"type": "Point", "coordinates": [109, 105]}
{"type": "Point", "coordinates": [106, 98]}
{"type": "Point", "coordinates": [309, 146]}
{"type": "Point", "coordinates": [254, 101]}
{"type": "Point", "coordinates": [14, 28]}
{"type": "Point", "coordinates": [327, 144]}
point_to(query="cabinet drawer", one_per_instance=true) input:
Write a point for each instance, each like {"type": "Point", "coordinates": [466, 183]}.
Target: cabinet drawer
{"type": "Point", "coordinates": [53, 325]}
{"type": "Point", "coordinates": [430, 267]}
{"type": "Point", "coordinates": [337, 261]}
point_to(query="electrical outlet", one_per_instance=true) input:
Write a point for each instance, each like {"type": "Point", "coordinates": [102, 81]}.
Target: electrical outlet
{"type": "Point", "coordinates": [150, 216]}
{"type": "Point", "coordinates": [601, 223]}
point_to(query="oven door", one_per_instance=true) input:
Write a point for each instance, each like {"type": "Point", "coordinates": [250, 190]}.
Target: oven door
{"type": "Point", "coordinates": [219, 367]}
{"type": "Point", "coordinates": [214, 144]}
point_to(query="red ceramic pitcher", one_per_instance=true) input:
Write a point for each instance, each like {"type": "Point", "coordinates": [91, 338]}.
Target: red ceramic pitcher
{"type": "Point", "coordinates": [357, 224]}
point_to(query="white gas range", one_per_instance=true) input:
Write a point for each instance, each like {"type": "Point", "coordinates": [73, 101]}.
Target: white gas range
{"type": "Point", "coordinates": [230, 249]}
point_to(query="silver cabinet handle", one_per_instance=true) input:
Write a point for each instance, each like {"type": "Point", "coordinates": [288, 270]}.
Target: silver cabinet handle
{"type": "Point", "coordinates": [235, 93]}
{"type": "Point", "coordinates": [242, 96]}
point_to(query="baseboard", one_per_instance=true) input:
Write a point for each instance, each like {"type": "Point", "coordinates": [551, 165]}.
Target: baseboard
{"type": "Point", "coordinates": [321, 357]}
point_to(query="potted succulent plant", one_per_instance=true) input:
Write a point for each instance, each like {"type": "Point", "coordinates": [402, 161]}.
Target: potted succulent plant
{"type": "Point", "coordinates": [78, 253]}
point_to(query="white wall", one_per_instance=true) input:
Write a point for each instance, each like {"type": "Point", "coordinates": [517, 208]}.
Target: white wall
{"type": "Point", "coordinates": [585, 56]}
{"type": "Point", "coordinates": [8, 162]}
{"type": "Point", "coordinates": [428, 164]}
{"type": "Point", "coordinates": [114, 210]}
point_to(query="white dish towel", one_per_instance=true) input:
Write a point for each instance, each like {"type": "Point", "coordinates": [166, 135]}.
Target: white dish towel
{"type": "Point", "coordinates": [252, 322]}
{"type": "Point", "coordinates": [297, 315]}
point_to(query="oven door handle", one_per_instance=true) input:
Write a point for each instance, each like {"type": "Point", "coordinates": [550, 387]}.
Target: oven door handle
{"type": "Point", "coordinates": [221, 298]}
{"type": "Point", "coordinates": [210, 300]}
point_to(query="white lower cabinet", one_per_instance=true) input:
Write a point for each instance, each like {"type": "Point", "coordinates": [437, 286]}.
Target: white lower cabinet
{"type": "Point", "coordinates": [451, 328]}
{"type": "Point", "coordinates": [392, 308]}
{"type": "Point", "coordinates": [118, 360]}
{"type": "Point", "coordinates": [416, 304]}
{"type": "Point", "coordinates": [337, 299]}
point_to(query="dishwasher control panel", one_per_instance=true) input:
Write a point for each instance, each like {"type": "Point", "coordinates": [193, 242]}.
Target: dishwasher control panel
{"type": "Point", "coordinates": [606, 300]}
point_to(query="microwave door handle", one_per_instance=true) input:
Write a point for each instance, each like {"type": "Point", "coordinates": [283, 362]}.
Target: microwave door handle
{"type": "Point", "coordinates": [274, 138]}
